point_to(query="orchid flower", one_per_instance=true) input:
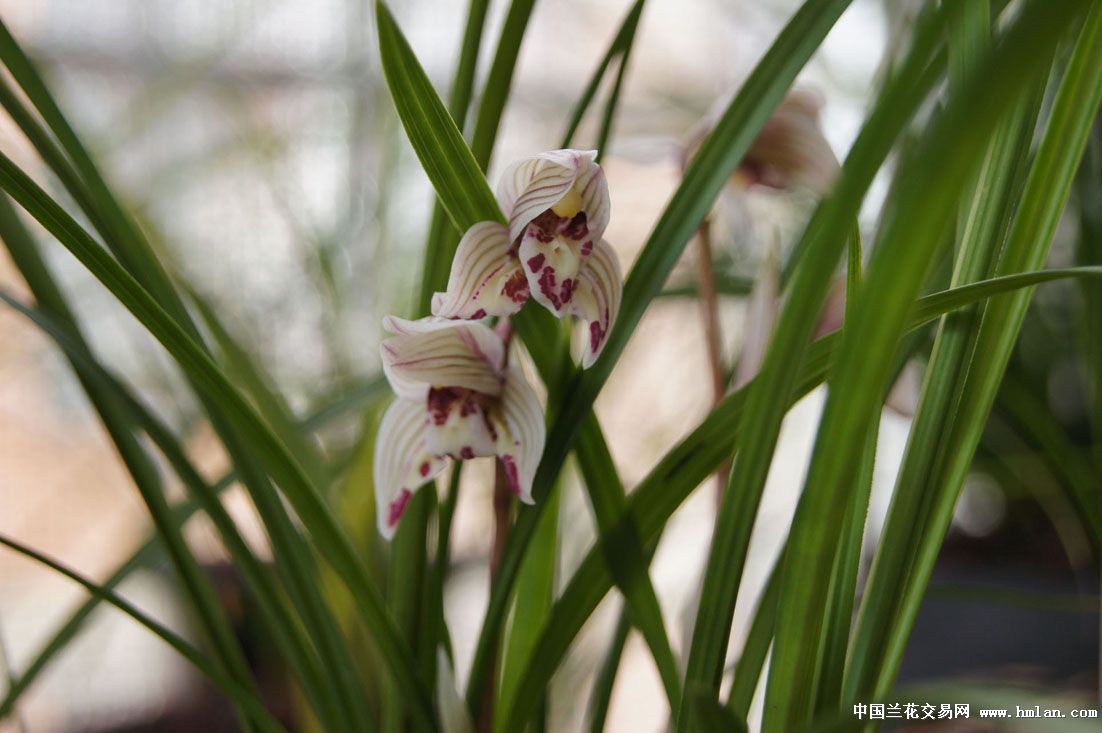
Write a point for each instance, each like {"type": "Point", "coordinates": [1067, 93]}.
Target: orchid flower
{"type": "Point", "coordinates": [557, 208]}
{"type": "Point", "coordinates": [458, 397]}
{"type": "Point", "coordinates": [790, 151]}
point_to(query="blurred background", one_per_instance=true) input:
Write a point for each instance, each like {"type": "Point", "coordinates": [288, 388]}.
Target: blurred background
{"type": "Point", "coordinates": [258, 145]}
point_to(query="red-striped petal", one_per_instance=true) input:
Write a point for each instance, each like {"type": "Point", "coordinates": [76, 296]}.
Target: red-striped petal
{"type": "Point", "coordinates": [596, 298]}
{"type": "Point", "coordinates": [485, 278]}
{"type": "Point", "coordinates": [521, 433]}
{"type": "Point", "coordinates": [436, 352]}
{"type": "Point", "coordinates": [402, 461]}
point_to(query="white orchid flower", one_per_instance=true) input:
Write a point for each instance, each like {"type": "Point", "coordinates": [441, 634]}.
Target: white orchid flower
{"type": "Point", "coordinates": [557, 206]}
{"type": "Point", "coordinates": [458, 397]}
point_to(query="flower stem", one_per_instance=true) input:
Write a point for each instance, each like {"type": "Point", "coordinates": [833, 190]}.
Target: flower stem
{"type": "Point", "coordinates": [709, 310]}
{"type": "Point", "coordinates": [503, 502]}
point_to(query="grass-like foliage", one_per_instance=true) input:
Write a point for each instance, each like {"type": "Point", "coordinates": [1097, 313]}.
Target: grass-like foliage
{"type": "Point", "coordinates": [981, 122]}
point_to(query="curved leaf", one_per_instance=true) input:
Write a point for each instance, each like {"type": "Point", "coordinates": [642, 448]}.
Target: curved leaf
{"type": "Point", "coordinates": [439, 145]}
{"type": "Point", "coordinates": [717, 159]}
{"type": "Point", "coordinates": [1043, 199]}
{"type": "Point", "coordinates": [353, 399]}
{"type": "Point", "coordinates": [244, 697]}
{"type": "Point", "coordinates": [696, 457]}
{"type": "Point", "coordinates": [819, 252]}
{"type": "Point", "coordinates": [929, 185]}
{"type": "Point", "coordinates": [315, 515]}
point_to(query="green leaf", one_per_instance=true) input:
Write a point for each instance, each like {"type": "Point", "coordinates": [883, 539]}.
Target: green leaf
{"type": "Point", "coordinates": [600, 694]}
{"type": "Point", "coordinates": [440, 246]}
{"type": "Point", "coordinates": [76, 169]}
{"type": "Point", "coordinates": [884, 636]}
{"type": "Point", "coordinates": [604, 134]}
{"type": "Point", "coordinates": [838, 612]}
{"type": "Point", "coordinates": [704, 178]}
{"type": "Point", "coordinates": [1030, 236]}
{"type": "Point", "coordinates": [439, 145]}
{"type": "Point", "coordinates": [362, 396]}
{"type": "Point", "coordinates": [928, 187]}
{"type": "Point", "coordinates": [820, 250]}
{"type": "Point", "coordinates": [696, 457]}
{"type": "Point", "coordinates": [286, 630]}
{"type": "Point", "coordinates": [842, 589]}
{"type": "Point", "coordinates": [373, 390]}
{"type": "Point", "coordinates": [709, 170]}
{"type": "Point", "coordinates": [325, 531]}
{"type": "Point", "coordinates": [607, 498]}
{"type": "Point", "coordinates": [979, 230]}
{"type": "Point", "coordinates": [49, 151]}
{"type": "Point", "coordinates": [495, 92]}
{"type": "Point", "coordinates": [406, 588]}
{"type": "Point", "coordinates": [117, 421]}
{"type": "Point", "coordinates": [532, 604]}
{"type": "Point", "coordinates": [422, 617]}
{"type": "Point", "coordinates": [755, 649]}
{"type": "Point", "coordinates": [430, 644]}
{"type": "Point", "coordinates": [244, 697]}
{"type": "Point", "coordinates": [713, 717]}
{"type": "Point", "coordinates": [625, 555]}
{"type": "Point", "coordinates": [91, 191]}
{"type": "Point", "coordinates": [620, 48]}
{"type": "Point", "coordinates": [442, 239]}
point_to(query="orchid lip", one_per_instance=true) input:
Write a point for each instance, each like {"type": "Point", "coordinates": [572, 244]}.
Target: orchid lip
{"type": "Point", "coordinates": [448, 418]}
